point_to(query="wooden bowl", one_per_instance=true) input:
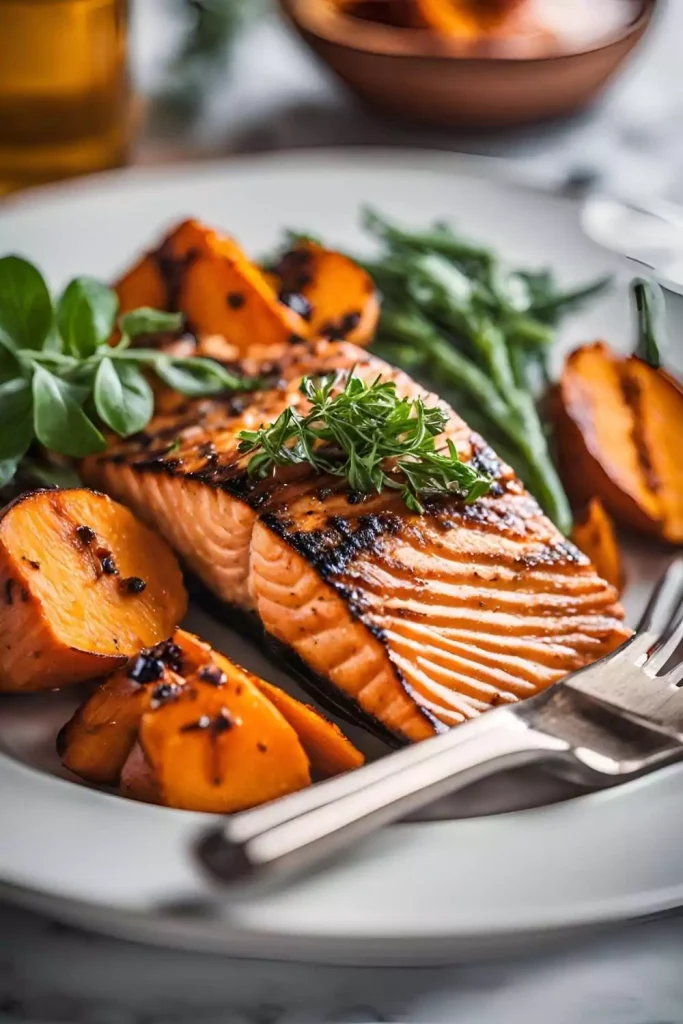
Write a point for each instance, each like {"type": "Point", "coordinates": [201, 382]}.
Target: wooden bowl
{"type": "Point", "coordinates": [415, 74]}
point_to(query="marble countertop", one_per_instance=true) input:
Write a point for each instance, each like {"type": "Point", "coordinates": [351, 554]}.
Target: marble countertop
{"type": "Point", "coordinates": [276, 96]}
{"type": "Point", "coordinates": [52, 974]}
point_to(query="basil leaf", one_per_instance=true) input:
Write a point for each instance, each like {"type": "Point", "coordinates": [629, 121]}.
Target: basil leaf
{"type": "Point", "coordinates": [16, 419]}
{"type": "Point", "coordinates": [25, 304]}
{"type": "Point", "coordinates": [9, 365]}
{"type": "Point", "coordinates": [195, 376]}
{"type": "Point", "coordinates": [150, 321]}
{"type": "Point", "coordinates": [86, 313]}
{"type": "Point", "coordinates": [123, 398]}
{"type": "Point", "coordinates": [59, 421]}
{"type": "Point", "coordinates": [7, 470]}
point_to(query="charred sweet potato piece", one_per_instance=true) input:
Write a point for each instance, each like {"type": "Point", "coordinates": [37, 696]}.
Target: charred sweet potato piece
{"type": "Point", "coordinates": [594, 534]}
{"type": "Point", "coordinates": [326, 746]}
{"type": "Point", "coordinates": [220, 748]}
{"type": "Point", "coordinates": [657, 400]}
{"type": "Point", "coordinates": [97, 740]}
{"type": "Point", "coordinates": [83, 586]}
{"type": "Point", "coordinates": [207, 277]}
{"type": "Point", "coordinates": [618, 437]}
{"type": "Point", "coordinates": [184, 726]}
{"type": "Point", "coordinates": [336, 296]}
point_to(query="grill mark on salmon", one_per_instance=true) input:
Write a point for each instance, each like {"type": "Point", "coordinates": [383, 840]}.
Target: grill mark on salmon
{"type": "Point", "coordinates": [419, 621]}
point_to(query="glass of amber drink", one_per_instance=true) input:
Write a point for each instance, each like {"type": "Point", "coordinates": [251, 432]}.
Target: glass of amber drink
{"type": "Point", "coordinates": [64, 94]}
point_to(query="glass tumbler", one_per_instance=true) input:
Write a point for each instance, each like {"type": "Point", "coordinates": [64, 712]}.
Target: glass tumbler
{"type": "Point", "coordinates": [64, 92]}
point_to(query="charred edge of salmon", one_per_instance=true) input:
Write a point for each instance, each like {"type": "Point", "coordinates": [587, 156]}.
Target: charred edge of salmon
{"type": "Point", "coordinates": [155, 453]}
{"type": "Point", "coordinates": [330, 699]}
{"type": "Point", "coordinates": [330, 550]}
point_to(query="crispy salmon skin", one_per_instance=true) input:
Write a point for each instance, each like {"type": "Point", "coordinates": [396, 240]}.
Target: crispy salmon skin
{"type": "Point", "coordinates": [421, 621]}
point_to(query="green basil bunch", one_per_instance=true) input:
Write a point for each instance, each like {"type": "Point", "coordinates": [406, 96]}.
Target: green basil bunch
{"type": "Point", "coordinates": [61, 380]}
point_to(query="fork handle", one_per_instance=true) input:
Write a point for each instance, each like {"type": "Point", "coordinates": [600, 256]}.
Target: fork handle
{"type": "Point", "coordinates": [289, 836]}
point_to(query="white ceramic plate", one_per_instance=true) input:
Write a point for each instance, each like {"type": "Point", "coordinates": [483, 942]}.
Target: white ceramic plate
{"type": "Point", "coordinates": [421, 891]}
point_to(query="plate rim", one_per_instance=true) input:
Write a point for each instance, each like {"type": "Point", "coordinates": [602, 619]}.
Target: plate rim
{"type": "Point", "coordinates": [439, 946]}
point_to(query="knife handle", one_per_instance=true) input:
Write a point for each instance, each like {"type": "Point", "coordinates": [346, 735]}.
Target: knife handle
{"type": "Point", "coordinates": [297, 832]}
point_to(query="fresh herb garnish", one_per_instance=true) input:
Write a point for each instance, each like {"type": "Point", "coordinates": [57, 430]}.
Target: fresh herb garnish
{"type": "Point", "coordinates": [61, 380]}
{"type": "Point", "coordinates": [470, 327]}
{"type": "Point", "coordinates": [368, 435]}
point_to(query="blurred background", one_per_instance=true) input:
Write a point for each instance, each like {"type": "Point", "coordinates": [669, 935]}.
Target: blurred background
{"type": "Point", "coordinates": [579, 92]}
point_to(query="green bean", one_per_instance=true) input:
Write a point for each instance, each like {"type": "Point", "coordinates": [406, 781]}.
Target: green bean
{"type": "Point", "coordinates": [440, 239]}
{"type": "Point", "coordinates": [651, 313]}
{"type": "Point", "coordinates": [550, 308]}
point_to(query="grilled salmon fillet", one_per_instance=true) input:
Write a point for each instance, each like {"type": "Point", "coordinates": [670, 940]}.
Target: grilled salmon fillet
{"type": "Point", "coordinates": [421, 621]}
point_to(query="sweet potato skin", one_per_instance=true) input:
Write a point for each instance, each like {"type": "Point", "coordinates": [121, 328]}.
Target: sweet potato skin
{"type": "Point", "coordinates": [594, 534]}
{"type": "Point", "coordinates": [83, 585]}
{"type": "Point", "coordinates": [616, 432]}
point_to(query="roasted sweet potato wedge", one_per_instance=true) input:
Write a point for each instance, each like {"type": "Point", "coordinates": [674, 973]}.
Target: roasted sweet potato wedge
{"type": "Point", "coordinates": [336, 296]}
{"type": "Point", "coordinates": [594, 534]}
{"type": "Point", "coordinates": [618, 437]}
{"type": "Point", "coordinates": [96, 742]}
{"type": "Point", "coordinates": [207, 277]}
{"type": "Point", "coordinates": [83, 586]}
{"type": "Point", "coordinates": [184, 726]}
{"type": "Point", "coordinates": [326, 746]}
{"type": "Point", "coordinates": [657, 401]}
{"type": "Point", "coordinates": [220, 748]}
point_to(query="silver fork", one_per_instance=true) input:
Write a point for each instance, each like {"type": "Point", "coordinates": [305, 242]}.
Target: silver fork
{"type": "Point", "coordinates": [620, 718]}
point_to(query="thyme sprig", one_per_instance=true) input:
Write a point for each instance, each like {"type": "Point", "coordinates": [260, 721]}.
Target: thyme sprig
{"type": "Point", "coordinates": [365, 433]}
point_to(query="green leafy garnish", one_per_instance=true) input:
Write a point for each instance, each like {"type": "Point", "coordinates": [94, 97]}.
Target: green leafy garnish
{"type": "Point", "coordinates": [25, 304]}
{"type": "Point", "coordinates": [369, 436]}
{"type": "Point", "coordinates": [86, 314]}
{"type": "Point", "coordinates": [61, 380]}
{"type": "Point", "coordinates": [123, 397]}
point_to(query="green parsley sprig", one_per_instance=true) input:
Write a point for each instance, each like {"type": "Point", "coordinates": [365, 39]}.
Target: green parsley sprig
{"type": "Point", "coordinates": [61, 380]}
{"type": "Point", "coordinates": [368, 435]}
